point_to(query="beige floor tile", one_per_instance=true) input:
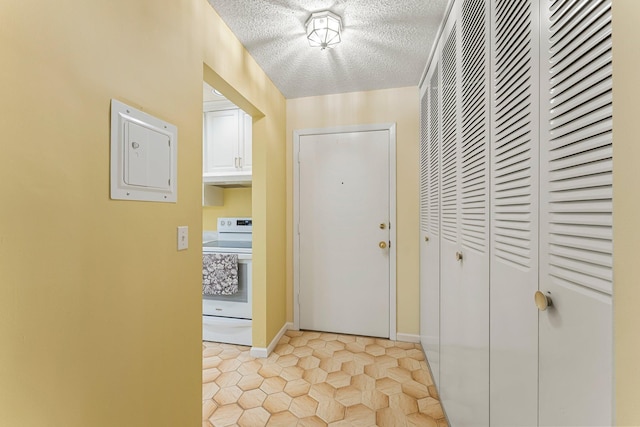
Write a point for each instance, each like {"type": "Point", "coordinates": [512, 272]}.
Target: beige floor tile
{"type": "Point", "coordinates": [330, 411]}
{"type": "Point", "coordinates": [297, 388]}
{"type": "Point", "coordinates": [250, 382]}
{"type": "Point", "coordinates": [277, 402]}
{"type": "Point", "coordinates": [288, 360]}
{"type": "Point", "coordinates": [208, 408]}
{"type": "Point", "coordinates": [319, 379]}
{"type": "Point", "coordinates": [227, 395]}
{"type": "Point", "coordinates": [250, 367]}
{"type": "Point", "coordinates": [422, 376]}
{"type": "Point", "coordinates": [363, 382]}
{"type": "Point", "coordinates": [292, 373]}
{"type": "Point", "coordinates": [309, 362]}
{"type": "Point", "coordinates": [352, 368]}
{"type": "Point", "coordinates": [348, 396]}
{"type": "Point", "coordinates": [399, 374]}
{"type": "Point", "coordinates": [254, 417]}
{"type": "Point", "coordinates": [420, 419]}
{"type": "Point", "coordinates": [229, 365]}
{"type": "Point", "coordinates": [303, 406]}
{"type": "Point", "coordinates": [226, 415]}
{"type": "Point", "coordinates": [391, 417]}
{"type": "Point", "coordinates": [415, 389]}
{"type": "Point", "coordinates": [339, 379]}
{"type": "Point", "coordinates": [282, 419]}
{"type": "Point", "coordinates": [330, 365]}
{"type": "Point", "coordinates": [273, 385]}
{"type": "Point", "coordinates": [210, 374]}
{"type": "Point", "coordinates": [314, 376]}
{"type": "Point", "coordinates": [388, 386]}
{"type": "Point", "coordinates": [313, 421]}
{"type": "Point", "coordinates": [322, 392]}
{"type": "Point", "coordinates": [227, 379]}
{"type": "Point", "coordinates": [431, 407]}
{"type": "Point", "coordinates": [375, 399]}
{"type": "Point", "coordinates": [252, 399]}
{"type": "Point", "coordinates": [209, 390]}
{"type": "Point", "coordinates": [360, 415]}
{"type": "Point", "coordinates": [405, 403]}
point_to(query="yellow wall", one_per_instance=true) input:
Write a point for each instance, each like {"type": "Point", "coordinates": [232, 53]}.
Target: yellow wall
{"type": "Point", "coordinates": [381, 106]}
{"type": "Point", "coordinates": [100, 315]}
{"type": "Point", "coordinates": [626, 207]}
{"type": "Point", "coordinates": [237, 203]}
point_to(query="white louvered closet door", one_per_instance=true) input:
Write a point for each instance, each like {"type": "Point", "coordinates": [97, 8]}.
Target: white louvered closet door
{"type": "Point", "coordinates": [430, 222]}
{"type": "Point", "coordinates": [464, 258]}
{"type": "Point", "coordinates": [514, 212]}
{"type": "Point", "coordinates": [576, 214]}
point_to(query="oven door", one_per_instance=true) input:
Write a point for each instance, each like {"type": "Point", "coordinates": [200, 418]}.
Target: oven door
{"type": "Point", "coordinates": [237, 305]}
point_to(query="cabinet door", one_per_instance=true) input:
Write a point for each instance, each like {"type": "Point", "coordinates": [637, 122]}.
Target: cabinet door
{"type": "Point", "coordinates": [430, 223]}
{"type": "Point", "coordinates": [464, 259]}
{"type": "Point", "coordinates": [246, 141]}
{"type": "Point", "coordinates": [576, 248]}
{"type": "Point", "coordinates": [220, 146]}
{"type": "Point", "coordinates": [514, 212]}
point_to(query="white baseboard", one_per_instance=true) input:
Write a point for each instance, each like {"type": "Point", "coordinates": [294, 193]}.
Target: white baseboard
{"type": "Point", "coordinates": [262, 352]}
{"type": "Point", "coordinates": [408, 337]}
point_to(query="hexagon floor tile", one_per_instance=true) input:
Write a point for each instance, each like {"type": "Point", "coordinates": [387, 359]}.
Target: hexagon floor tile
{"type": "Point", "coordinates": [319, 379]}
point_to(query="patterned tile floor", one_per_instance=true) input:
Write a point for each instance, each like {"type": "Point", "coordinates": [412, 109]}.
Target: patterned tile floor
{"type": "Point", "coordinates": [319, 379]}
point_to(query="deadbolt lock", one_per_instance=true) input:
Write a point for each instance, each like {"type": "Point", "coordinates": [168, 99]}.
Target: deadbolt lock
{"type": "Point", "coordinates": [383, 245]}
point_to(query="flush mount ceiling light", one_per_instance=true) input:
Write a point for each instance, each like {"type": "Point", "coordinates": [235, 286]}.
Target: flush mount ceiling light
{"type": "Point", "coordinates": [323, 29]}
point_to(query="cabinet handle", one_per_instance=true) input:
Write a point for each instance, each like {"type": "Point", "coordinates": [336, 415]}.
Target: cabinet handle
{"type": "Point", "coordinates": [542, 301]}
{"type": "Point", "coordinates": [235, 162]}
{"type": "Point", "coordinates": [240, 162]}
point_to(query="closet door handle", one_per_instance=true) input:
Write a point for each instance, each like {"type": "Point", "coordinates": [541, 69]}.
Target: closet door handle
{"type": "Point", "coordinates": [542, 301]}
{"type": "Point", "coordinates": [458, 256]}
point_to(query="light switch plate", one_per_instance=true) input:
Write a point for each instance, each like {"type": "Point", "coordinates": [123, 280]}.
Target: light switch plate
{"type": "Point", "coordinates": [183, 237]}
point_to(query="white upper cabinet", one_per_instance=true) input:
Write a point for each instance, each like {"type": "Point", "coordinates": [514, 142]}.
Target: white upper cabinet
{"type": "Point", "coordinates": [226, 146]}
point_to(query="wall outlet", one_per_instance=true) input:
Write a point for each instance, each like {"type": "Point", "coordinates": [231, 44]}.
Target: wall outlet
{"type": "Point", "coordinates": [183, 237]}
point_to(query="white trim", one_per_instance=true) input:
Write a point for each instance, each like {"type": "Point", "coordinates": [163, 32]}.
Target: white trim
{"type": "Point", "coordinates": [408, 338]}
{"type": "Point", "coordinates": [391, 127]}
{"type": "Point", "coordinates": [436, 41]}
{"type": "Point", "coordinates": [262, 352]}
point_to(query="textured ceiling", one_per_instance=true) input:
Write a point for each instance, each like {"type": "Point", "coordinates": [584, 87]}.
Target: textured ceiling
{"type": "Point", "coordinates": [385, 43]}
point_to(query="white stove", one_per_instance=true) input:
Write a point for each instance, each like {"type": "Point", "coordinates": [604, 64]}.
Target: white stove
{"type": "Point", "coordinates": [227, 318]}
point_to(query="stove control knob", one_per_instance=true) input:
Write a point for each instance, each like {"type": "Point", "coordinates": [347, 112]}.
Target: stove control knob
{"type": "Point", "coordinates": [221, 222]}
{"type": "Point", "coordinates": [228, 222]}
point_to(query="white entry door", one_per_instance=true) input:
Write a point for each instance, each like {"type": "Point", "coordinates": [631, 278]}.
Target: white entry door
{"type": "Point", "coordinates": [344, 238]}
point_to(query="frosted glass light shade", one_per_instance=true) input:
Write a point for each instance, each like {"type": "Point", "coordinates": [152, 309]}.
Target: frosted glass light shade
{"type": "Point", "coordinates": [323, 30]}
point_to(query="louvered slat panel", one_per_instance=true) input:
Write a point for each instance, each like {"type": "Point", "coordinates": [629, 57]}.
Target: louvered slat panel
{"type": "Point", "coordinates": [473, 182]}
{"type": "Point", "coordinates": [580, 157]}
{"type": "Point", "coordinates": [512, 142]}
{"type": "Point", "coordinates": [434, 156]}
{"type": "Point", "coordinates": [449, 196]}
{"type": "Point", "coordinates": [424, 163]}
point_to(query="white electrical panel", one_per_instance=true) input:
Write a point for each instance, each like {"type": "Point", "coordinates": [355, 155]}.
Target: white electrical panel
{"type": "Point", "coordinates": [143, 156]}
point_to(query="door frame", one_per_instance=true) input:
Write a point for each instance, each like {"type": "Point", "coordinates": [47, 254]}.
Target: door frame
{"type": "Point", "coordinates": [391, 128]}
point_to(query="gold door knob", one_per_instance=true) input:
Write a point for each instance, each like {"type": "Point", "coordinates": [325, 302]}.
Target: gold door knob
{"type": "Point", "coordinates": [542, 301]}
{"type": "Point", "coordinates": [458, 256]}
{"type": "Point", "coordinates": [382, 245]}
{"type": "Point", "coordinates": [383, 226]}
